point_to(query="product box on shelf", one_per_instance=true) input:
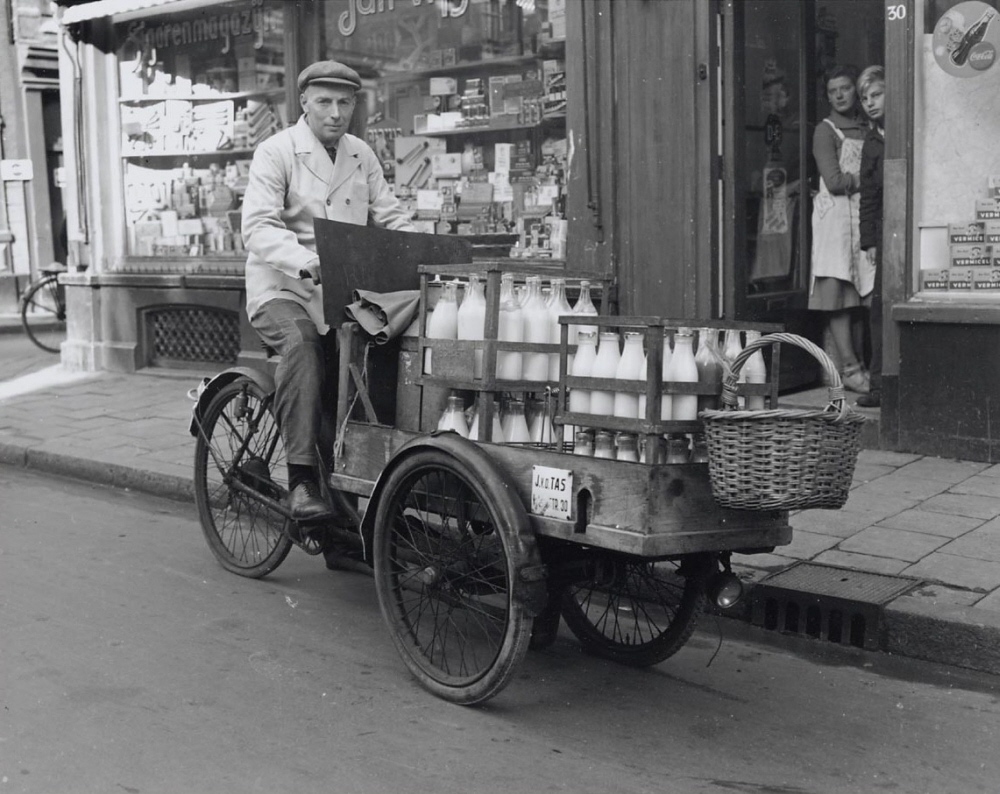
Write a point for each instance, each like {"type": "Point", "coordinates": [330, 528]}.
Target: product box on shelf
{"type": "Point", "coordinates": [960, 279]}
{"type": "Point", "coordinates": [988, 209]}
{"type": "Point", "coordinates": [991, 232]}
{"type": "Point", "coordinates": [970, 255]}
{"type": "Point", "coordinates": [935, 280]}
{"type": "Point", "coordinates": [986, 279]}
{"type": "Point", "coordinates": [961, 233]}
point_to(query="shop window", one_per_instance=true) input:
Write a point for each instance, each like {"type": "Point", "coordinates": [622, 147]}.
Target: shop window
{"type": "Point", "coordinates": [957, 187]}
{"type": "Point", "coordinates": [198, 91]}
{"type": "Point", "coordinates": [464, 102]}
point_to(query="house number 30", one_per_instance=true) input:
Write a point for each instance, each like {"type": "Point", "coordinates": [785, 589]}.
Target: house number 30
{"type": "Point", "coordinates": [896, 13]}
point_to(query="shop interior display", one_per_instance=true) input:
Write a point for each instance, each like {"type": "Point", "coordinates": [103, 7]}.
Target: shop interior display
{"type": "Point", "coordinates": [973, 251]}
{"type": "Point", "coordinates": [196, 97]}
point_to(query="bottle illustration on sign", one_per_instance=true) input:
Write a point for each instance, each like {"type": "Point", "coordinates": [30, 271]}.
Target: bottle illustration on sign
{"type": "Point", "coordinates": [972, 37]}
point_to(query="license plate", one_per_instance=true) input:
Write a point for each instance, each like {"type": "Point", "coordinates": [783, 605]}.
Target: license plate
{"type": "Point", "coordinates": [552, 492]}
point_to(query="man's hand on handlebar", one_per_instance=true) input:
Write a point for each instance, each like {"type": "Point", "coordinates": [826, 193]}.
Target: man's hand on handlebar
{"type": "Point", "coordinates": [312, 275]}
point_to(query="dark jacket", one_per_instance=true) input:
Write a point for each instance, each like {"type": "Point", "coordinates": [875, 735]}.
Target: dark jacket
{"type": "Point", "coordinates": [870, 212]}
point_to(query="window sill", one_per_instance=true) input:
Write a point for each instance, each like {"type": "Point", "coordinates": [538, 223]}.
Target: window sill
{"type": "Point", "coordinates": [949, 308]}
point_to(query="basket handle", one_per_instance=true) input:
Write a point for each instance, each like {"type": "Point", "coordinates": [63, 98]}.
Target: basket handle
{"type": "Point", "coordinates": [837, 403]}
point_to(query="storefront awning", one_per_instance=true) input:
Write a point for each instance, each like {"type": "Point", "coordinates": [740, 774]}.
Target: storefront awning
{"type": "Point", "coordinates": [117, 8]}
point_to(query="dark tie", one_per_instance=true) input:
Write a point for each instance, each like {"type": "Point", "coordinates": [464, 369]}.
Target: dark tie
{"type": "Point", "coordinates": [332, 151]}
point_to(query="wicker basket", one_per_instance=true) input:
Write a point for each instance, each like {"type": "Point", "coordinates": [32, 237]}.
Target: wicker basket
{"type": "Point", "coordinates": [781, 459]}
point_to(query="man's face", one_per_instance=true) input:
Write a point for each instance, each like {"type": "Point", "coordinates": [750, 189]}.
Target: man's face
{"type": "Point", "coordinates": [328, 110]}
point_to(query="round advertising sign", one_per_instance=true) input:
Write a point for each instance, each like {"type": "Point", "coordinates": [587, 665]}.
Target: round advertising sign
{"type": "Point", "coordinates": [966, 38]}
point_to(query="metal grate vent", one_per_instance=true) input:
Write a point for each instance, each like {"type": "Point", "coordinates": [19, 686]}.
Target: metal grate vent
{"type": "Point", "coordinates": [193, 334]}
{"type": "Point", "coordinates": [828, 603]}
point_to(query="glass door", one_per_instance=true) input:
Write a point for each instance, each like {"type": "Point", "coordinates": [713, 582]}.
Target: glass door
{"type": "Point", "coordinates": [773, 97]}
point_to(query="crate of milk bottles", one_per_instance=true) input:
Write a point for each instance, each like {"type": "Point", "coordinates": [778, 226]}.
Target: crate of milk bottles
{"type": "Point", "coordinates": [490, 334]}
{"type": "Point", "coordinates": [631, 388]}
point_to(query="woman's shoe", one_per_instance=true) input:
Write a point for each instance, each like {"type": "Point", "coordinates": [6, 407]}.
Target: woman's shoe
{"type": "Point", "coordinates": [855, 379]}
{"type": "Point", "coordinates": [871, 400]}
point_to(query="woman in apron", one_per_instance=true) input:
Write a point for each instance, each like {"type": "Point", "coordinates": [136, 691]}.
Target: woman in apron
{"type": "Point", "coordinates": [842, 277]}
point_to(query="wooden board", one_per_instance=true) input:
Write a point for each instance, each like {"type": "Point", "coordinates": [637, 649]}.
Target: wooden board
{"type": "Point", "coordinates": [381, 260]}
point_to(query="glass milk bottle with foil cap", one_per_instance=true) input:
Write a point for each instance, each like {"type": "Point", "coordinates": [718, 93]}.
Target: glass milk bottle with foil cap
{"type": "Point", "coordinates": [472, 318]}
{"type": "Point", "coordinates": [583, 367]}
{"type": "Point", "coordinates": [497, 435]}
{"type": "Point", "coordinates": [604, 445]}
{"type": "Point", "coordinates": [627, 447]}
{"type": "Point", "coordinates": [453, 417]}
{"type": "Point", "coordinates": [602, 402]}
{"type": "Point", "coordinates": [537, 328]}
{"type": "Point", "coordinates": [756, 372]}
{"type": "Point", "coordinates": [683, 369]}
{"type": "Point", "coordinates": [443, 321]}
{"type": "Point", "coordinates": [559, 306]}
{"type": "Point", "coordinates": [710, 367]}
{"type": "Point", "coordinates": [666, 400]}
{"type": "Point", "coordinates": [584, 306]}
{"type": "Point", "coordinates": [511, 329]}
{"type": "Point", "coordinates": [514, 423]}
{"type": "Point", "coordinates": [730, 350]}
{"type": "Point", "coordinates": [643, 375]}
{"type": "Point", "coordinates": [626, 404]}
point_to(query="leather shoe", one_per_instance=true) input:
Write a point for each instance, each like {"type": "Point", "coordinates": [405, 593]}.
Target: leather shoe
{"type": "Point", "coordinates": [871, 400]}
{"type": "Point", "coordinates": [307, 505]}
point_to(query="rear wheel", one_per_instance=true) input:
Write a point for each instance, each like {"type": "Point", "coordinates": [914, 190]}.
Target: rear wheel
{"type": "Point", "coordinates": [633, 611]}
{"type": "Point", "coordinates": [239, 462]}
{"type": "Point", "coordinates": [43, 313]}
{"type": "Point", "coordinates": [445, 569]}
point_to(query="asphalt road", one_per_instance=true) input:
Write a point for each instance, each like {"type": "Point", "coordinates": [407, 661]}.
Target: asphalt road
{"type": "Point", "coordinates": [130, 661]}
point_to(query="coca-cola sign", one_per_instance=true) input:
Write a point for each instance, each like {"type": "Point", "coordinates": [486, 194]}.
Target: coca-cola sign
{"type": "Point", "coordinates": [966, 38]}
{"type": "Point", "coordinates": [982, 56]}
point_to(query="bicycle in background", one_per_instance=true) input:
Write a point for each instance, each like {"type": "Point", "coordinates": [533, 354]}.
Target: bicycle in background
{"type": "Point", "coordinates": [43, 309]}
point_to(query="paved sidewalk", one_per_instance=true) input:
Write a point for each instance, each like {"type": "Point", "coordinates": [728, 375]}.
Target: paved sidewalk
{"type": "Point", "coordinates": [932, 519]}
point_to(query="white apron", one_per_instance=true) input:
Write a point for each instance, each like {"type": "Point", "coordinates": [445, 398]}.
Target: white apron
{"type": "Point", "coordinates": [836, 243]}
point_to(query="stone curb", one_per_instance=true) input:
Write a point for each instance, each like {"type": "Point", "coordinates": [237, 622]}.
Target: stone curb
{"type": "Point", "coordinates": [945, 633]}
{"type": "Point", "coordinates": [959, 636]}
{"type": "Point", "coordinates": [99, 472]}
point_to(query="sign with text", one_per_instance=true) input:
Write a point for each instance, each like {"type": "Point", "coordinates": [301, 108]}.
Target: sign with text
{"type": "Point", "coordinates": [552, 492]}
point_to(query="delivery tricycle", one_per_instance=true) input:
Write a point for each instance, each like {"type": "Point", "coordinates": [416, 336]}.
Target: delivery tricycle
{"type": "Point", "coordinates": [480, 547]}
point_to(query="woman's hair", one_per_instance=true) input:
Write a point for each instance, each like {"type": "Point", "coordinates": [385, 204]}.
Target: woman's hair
{"type": "Point", "coordinates": [870, 76]}
{"type": "Point", "coordinates": [842, 70]}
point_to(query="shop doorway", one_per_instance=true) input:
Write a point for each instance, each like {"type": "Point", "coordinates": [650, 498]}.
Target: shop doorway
{"type": "Point", "coordinates": [773, 96]}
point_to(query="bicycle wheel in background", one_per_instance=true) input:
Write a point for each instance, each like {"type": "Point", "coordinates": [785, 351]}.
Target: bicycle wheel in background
{"type": "Point", "coordinates": [43, 313]}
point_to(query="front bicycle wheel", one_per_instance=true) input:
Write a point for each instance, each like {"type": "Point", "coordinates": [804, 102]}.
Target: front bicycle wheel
{"type": "Point", "coordinates": [43, 313]}
{"type": "Point", "coordinates": [633, 611]}
{"type": "Point", "coordinates": [239, 468]}
{"type": "Point", "coordinates": [445, 569]}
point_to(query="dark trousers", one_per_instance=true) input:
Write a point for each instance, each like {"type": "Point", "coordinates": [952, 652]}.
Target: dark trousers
{"type": "Point", "coordinates": [875, 326]}
{"type": "Point", "coordinates": [305, 397]}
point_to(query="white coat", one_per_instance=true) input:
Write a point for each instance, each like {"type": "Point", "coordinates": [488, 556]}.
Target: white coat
{"type": "Point", "coordinates": [293, 180]}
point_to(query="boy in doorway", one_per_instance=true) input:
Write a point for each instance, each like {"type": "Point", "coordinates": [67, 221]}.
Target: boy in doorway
{"type": "Point", "coordinates": [871, 90]}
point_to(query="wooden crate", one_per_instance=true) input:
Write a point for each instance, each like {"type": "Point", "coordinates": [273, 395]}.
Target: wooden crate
{"type": "Point", "coordinates": [653, 511]}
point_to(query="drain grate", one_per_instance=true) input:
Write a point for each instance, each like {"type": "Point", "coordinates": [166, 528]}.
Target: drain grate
{"type": "Point", "coordinates": [835, 604]}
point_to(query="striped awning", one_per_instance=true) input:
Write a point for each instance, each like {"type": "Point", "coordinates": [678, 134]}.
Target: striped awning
{"type": "Point", "coordinates": [116, 8]}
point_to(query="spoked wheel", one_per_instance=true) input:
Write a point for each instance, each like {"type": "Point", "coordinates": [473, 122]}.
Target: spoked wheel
{"type": "Point", "coordinates": [239, 463]}
{"type": "Point", "coordinates": [43, 313]}
{"type": "Point", "coordinates": [633, 611]}
{"type": "Point", "coordinates": [445, 568]}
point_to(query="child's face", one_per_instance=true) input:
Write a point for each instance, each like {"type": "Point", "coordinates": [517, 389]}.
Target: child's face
{"type": "Point", "coordinates": [873, 101]}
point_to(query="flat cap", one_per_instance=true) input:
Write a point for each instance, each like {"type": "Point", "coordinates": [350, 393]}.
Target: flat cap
{"type": "Point", "coordinates": [329, 73]}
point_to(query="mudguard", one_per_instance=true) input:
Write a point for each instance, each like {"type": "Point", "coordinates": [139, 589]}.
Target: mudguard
{"type": "Point", "coordinates": [208, 389]}
{"type": "Point", "coordinates": [530, 587]}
